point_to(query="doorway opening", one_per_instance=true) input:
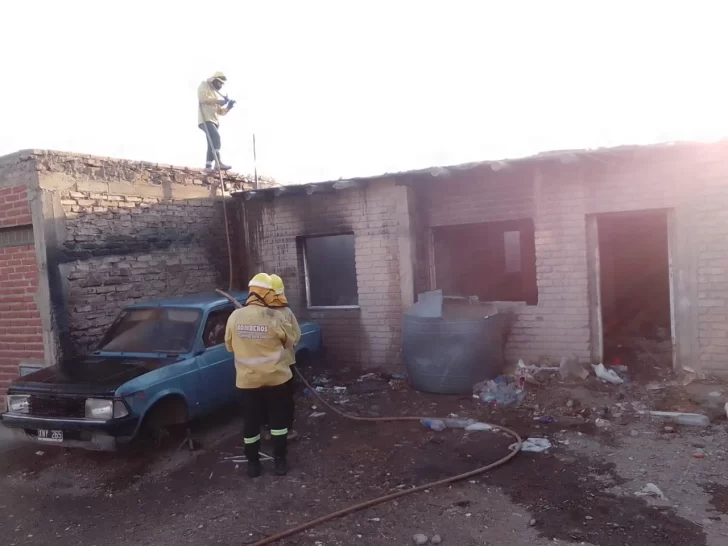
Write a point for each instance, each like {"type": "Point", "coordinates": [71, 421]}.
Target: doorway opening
{"type": "Point", "coordinates": [634, 282]}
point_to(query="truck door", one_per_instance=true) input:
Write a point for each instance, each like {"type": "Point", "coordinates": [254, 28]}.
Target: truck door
{"type": "Point", "coordinates": [217, 368]}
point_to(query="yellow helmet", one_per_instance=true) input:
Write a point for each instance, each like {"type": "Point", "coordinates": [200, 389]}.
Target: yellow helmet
{"type": "Point", "coordinates": [277, 284]}
{"type": "Point", "coordinates": [219, 76]}
{"type": "Point", "coordinates": [261, 280]}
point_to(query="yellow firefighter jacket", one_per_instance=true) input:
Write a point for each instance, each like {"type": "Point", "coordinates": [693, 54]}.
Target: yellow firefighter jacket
{"type": "Point", "coordinates": [258, 336]}
{"type": "Point", "coordinates": [209, 109]}
{"type": "Point", "coordinates": [289, 355]}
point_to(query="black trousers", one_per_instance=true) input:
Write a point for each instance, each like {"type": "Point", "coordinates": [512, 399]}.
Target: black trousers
{"type": "Point", "coordinates": [214, 137]}
{"type": "Point", "coordinates": [292, 401]}
{"type": "Point", "coordinates": [271, 402]}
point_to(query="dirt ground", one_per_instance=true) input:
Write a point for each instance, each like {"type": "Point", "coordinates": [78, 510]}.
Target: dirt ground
{"type": "Point", "coordinates": [581, 491]}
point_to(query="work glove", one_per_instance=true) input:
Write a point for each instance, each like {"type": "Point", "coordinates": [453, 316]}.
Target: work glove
{"type": "Point", "coordinates": [222, 102]}
{"type": "Point", "coordinates": [231, 103]}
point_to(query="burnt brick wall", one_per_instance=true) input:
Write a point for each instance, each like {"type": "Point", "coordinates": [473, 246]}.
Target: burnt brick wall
{"type": "Point", "coordinates": [132, 231]}
{"type": "Point", "coordinates": [21, 334]}
{"type": "Point", "coordinates": [370, 335]}
{"type": "Point", "coordinates": [689, 181]}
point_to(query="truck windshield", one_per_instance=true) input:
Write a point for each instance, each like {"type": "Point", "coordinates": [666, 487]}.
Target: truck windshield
{"type": "Point", "coordinates": [153, 330]}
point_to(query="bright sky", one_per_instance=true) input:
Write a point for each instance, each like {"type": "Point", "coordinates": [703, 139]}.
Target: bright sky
{"type": "Point", "coordinates": [357, 87]}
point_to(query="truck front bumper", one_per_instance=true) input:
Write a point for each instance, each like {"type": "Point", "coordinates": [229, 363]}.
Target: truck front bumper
{"type": "Point", "coordinates": [84, 433]}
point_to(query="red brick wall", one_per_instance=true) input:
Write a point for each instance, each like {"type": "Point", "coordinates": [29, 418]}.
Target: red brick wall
{"type": "Point", "coordinates": [21, 335]}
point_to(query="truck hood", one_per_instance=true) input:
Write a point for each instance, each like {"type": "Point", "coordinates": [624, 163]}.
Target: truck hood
{"type": "Point", "coordinates": [93, 375]}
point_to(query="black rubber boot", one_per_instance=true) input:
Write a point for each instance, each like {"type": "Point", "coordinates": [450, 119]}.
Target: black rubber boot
{"type": "Point", "coordinates": [281, 467]}
{"type": "Point", "coordinates": [254, 469]}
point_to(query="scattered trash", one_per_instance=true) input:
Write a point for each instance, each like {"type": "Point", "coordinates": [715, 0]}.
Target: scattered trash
{"type": "Point", "coordinates": [699, 455]}
{"type": "Point", "coordinates": [570, 367]}
{"type": "Point", "coordinates": [397, 377]}
{"type": "Point", "coordinates": [419, 538]}
{"type": "Point", "coordinates": [331, 390]}
{"type": "Point", "coordinates": [533, 445]}
{"type": "Point", "coordinates": [726, 409]}
{"type": "Point", "coordinates": [499, 391]}
{"type": "Point", "coordinates": [602, 423]}
{"type": "Point", "coordinates": [691, 375]}
{"type": "Point", "coordinates": [40, 453]}
{"type": "Point", "coordinates": [654, 387]}
{"type": "Point", "coordinates": [458, 423]}
{"type": "Point", "coordinates": [569, 403]}
{"type": "Point", "coordinates": [532, 523]}
{"type": "Point", "coordinates": [610, 376]}
{"type": "Point", "coordinates": [715, 394]}
{"type": "Point", "coordinates": [317, 414]}
{"type": "Point", "coordinates": [651, 490]}
{"type": "Point", "coordinates": [434, 424]}
{"type": "Point", "coordinates": [545, 419]}
{"type": "Point", "coordinates": [690, 419]}
{"type": "Point", "coordinates": [634, 433]}
{"type": "Point", "coordinates": [437, 539]}
{"type": "Point", "coordinates": [478, 427]}
{"type": "Point", "coordinates": [668, 429]}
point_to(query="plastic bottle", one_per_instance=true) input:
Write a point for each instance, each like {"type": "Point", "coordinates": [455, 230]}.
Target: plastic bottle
{"type": "Point", "coordinates": [458, 423]}
{"type": "Point", "coordinates": [690, 419]}
{"type": "Point", "coordinates": [434, 424]}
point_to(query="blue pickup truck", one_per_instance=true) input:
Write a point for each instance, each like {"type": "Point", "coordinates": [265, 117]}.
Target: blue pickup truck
{"type": "Point", "coordinates": [161, 363]}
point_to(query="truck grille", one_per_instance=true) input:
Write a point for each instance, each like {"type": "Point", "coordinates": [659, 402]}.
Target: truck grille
{"type": "Point", "coordinates": [45, 405]}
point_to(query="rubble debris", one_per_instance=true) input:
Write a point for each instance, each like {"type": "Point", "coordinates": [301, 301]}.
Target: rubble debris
{"type": "Point", "coordinates": [544, 419]}
{"type": "Point", "coordinates": [317, 414]}
{"type": "Point", "coordinates": [602, 423]}
{"type": "Point", "coordinates": [651, 490]}
{"type": "Point", "coordinates": [610, 376]}
{"type": "Point", "coordinates": [419, 538]}
{"type": "Point", "coordinates": [499, 391]}
{"type": "Point", "coordinates": [634, 433]}
{"type": "Point", "coordinates": [532, 523]}
{"type": "Point", "coordinates": [436, 539]}
{"type": "Point", "coordinates": [533, 445]}
{"type": "Point", "coordinates": [690, 419]}
{"type": "Point", "coordinates": [570, 367]}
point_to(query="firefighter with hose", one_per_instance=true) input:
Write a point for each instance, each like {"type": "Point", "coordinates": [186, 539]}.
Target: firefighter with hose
{"type": "Point", "coordinates": [281, 303]}
{"type": "Point", "coordinates": [259, 337]}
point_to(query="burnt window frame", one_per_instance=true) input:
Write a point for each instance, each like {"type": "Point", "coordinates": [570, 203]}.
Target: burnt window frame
{"type": "Point", "coordinates": [303, 240]}
{"type": "Point", "coordinates": [528, 267]}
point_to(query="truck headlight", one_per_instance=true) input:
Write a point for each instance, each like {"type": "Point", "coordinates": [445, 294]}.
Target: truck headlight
{"type": "Point", "coordinates": [97, 408]}
{"type": "Point", "coordinates": [17, 403]}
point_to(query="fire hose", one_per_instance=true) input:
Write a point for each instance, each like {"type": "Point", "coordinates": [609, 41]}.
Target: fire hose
{"type": "Point", "coordinates": [385, 498]}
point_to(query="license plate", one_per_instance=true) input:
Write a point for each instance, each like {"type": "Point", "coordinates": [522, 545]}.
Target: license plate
{"type": "Point", "coordinates": [50, 435]}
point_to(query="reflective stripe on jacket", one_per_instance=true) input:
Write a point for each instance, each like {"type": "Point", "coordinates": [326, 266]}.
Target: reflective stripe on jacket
{"type": "Point", "coordinates": [257, 336]}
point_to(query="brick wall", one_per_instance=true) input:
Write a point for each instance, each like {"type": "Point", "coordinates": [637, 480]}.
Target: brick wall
{"type": "Point", "coordinates": [689, 181]}
{"type": "Point", "coordinates": [21, 338]}
{"type": "Point", "coordinates": [368, 336]}
{"type": "Point", "coordinates": [131, 231]}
